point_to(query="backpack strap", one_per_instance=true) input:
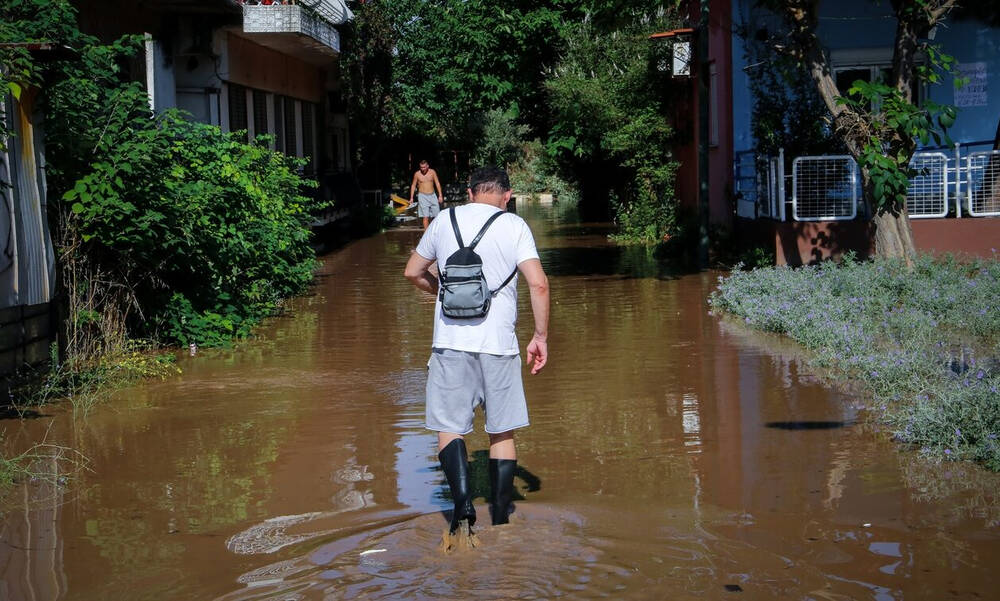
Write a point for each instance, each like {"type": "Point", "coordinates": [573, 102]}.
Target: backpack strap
{"type": "Point", "coordinates": [482, 231]}
{"type": "Point", "coordinates": [505, 282]}
{"type": "Point", "coordinates": [454, 226]}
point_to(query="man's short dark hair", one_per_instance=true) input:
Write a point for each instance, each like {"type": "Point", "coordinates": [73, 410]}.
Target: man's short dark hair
{"type": "Point", "coordinates": [489, 179]}
{"type": "Point", "coordinates": [424, 162]}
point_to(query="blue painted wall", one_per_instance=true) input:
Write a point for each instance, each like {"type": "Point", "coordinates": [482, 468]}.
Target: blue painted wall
{"type": "Point", "coordinates": [864, 27]}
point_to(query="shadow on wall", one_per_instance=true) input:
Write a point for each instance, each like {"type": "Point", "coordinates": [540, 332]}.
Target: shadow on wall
{"type": "Point", "coordinates": [809, 243]}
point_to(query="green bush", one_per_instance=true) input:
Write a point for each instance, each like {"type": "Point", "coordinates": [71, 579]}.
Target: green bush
{"type": "Point", "coordinates": [610, 133]}
{"type": "Point", "coordinates": [165, 229]}
{"type": "Point", "coordinates": [209, 232]}
{"type": "Point", "coordinates": [500, 140]}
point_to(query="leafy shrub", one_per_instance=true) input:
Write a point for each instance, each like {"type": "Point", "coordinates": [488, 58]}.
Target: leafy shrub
{"type": "Point", "coordinates": [534, 174]}
{"type": "Point", "coordinates": [500, 141]}
{"type": "Point", "coordinates": [610, 130]}
{"type": "Point", "coordinates": [641, 145]}
{"type": "Point", "coordinates": [924, 341]}
{"type": "Point", "coordinates": [207, 231]}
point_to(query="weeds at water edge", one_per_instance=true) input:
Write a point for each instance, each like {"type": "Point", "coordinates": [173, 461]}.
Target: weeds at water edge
{"type": "Point", "coordinates": [924, 342]}
{"type": "Point", "coordinates": [86, 383]}
{"type": "Point", "coordinates": [45, 467]}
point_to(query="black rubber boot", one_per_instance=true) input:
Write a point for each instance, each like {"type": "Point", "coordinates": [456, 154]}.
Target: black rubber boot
{"type": "Point", "coordinates": [455, 462]}
{"type": "Point", "coordinates": [502, 488]}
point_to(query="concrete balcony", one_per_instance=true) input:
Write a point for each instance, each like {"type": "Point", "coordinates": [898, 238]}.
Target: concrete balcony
{"type": "Point", "coordinates": [304, 30]}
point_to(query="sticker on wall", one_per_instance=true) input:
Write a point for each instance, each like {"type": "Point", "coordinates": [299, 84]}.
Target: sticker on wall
{"type": "Point", "coordinates": [972, 93]}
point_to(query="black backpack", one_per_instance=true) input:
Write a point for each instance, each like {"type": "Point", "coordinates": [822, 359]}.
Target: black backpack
{"type": "Point", "coordinates": [463, 290]}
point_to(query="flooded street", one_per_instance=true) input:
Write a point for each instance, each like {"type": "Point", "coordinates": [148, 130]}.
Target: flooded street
{"type": "Point", "coordinates": [671, 455]}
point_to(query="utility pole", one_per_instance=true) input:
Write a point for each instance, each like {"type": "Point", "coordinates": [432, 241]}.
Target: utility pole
{"type": "Point", "coordinates": [703, 107]}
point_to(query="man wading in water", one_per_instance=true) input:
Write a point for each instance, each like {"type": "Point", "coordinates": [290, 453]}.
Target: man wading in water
{"type": "Point", "coordinates": [425, 182]}
{"type": "Point", "coordinates": [475, 359]}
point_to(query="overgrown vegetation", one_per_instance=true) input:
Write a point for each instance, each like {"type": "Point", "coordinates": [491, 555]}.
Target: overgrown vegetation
{"type": "Point", "coordinates": [205, 234]}
{"type": "Point", "coordinates": [167, 231]}
{"type": "Point", "coordinates": [44, 464]}
{"type": "Point", "coordinates": [610, 133]}
{"type": "Point", "coordinates": [569, 90]}
{"type": "Point", "coordinates": [924, 342]}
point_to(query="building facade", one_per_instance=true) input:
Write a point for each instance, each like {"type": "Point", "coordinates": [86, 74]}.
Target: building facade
{"type": "Point", "coordinates": [811, 206]}
{"type": "Point", "coordinates": [259, 66]}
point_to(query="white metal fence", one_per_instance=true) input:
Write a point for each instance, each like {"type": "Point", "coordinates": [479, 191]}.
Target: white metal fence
{"type": "Point", "coordinates": [984, 184]}
{"type": "Point", "coordinates": [824, 188]}
{"type": "Point", "coordinates": [828, 187]}
{"type": "Point", "coordinates": [372, 197]}
{"type": "Point", "coordinates": [928, 192]}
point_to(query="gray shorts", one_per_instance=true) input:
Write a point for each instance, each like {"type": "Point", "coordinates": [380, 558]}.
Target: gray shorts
{"type": "Point", "coordinates": [427, 205]}
{"type": "Point", "coordinates": [458, 381]}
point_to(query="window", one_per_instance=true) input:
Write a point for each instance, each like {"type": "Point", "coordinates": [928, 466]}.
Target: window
{"type": "Point", "coordinates": [866, 64]}
{"type": "Point", "coordinates": [308, 150]}
{"type": "Point", "coordinates": [291, 142]}
{"type": "Point", "coordinates": [259, 113]}
{"type": "Point", "coordinates": [279, 124]}
{"type": "Point", "coordinates": [237, 107]}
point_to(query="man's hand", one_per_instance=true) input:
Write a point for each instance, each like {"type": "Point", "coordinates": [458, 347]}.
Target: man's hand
{"type": "Point", "coordinates": [538, 354]}
{"type": "Point", "coordinates": [441, 201]}
{"type": "Point", "coordinates": [538, 287]}
{"type": "Point", "coordinates": [418, 272]}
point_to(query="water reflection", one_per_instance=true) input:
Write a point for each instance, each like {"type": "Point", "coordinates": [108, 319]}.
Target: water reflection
{"type": "Point", "coordinates": [672, 454]}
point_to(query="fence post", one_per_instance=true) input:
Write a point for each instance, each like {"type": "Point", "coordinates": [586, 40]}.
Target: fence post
{"type": "Point", "coordinates": [958, 180]}
{"type": "Point", "coordinates": [781, 183]}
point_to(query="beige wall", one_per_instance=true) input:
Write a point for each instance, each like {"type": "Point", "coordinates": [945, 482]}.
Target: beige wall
{"type": "Point", "coordinates": [264, 69]}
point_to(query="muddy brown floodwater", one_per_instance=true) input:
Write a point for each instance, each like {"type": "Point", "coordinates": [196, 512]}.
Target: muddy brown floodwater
{"type": "Point", "coordinates": [671, 455]}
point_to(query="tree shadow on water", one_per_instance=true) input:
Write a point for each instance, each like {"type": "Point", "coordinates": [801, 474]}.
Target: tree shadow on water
{"type": "Point", "coordinates": [624, 261]}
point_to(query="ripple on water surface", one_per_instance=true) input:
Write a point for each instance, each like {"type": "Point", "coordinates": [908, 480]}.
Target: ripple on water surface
{"type": "Point", "coordinates": [587, 552]}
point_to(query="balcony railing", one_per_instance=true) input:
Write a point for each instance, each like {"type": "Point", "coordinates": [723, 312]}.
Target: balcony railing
{"type": "Point", "coordinates": [312, 18]}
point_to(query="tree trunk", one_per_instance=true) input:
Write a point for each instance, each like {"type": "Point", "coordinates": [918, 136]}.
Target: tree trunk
{"type": "Point", "coordinates": [893, 236]}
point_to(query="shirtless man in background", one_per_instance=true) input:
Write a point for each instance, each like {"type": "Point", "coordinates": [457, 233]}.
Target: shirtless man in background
{"type": "Point", "coordinates": [425, 181]}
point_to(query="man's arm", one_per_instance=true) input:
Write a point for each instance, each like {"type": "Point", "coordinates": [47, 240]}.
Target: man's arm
{"type": "Point", "coordinates": [437, 184]}
{"type": "Point", "coordinates": [418, 272]}
{"type": "Point", "coordinates": [538, 287]}
{"type": "Point", "coordinates": [413, 186]}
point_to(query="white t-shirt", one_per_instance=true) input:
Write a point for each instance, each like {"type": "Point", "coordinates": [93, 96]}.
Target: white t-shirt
{"type": "Point", "coordinates": [507, 243]}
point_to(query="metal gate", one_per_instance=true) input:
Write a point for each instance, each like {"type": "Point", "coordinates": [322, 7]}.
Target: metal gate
{"type": "Point", "coordinates": [927, 195]}
{"type": "Point", "coordinates": [824, 188]}
{"type": "Point", "coordinates": [984, 183]}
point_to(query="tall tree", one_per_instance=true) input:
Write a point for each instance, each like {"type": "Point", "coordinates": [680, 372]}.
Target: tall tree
{"type": "Point", "coordinates": [878, 122]}
{"type": "Point", "coordinates": [455, 61]}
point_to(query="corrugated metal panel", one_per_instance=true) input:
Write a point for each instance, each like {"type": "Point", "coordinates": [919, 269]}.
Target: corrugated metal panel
{"type": "Point", "coordinates": [26, 333]}
{"type": "Point", "coordinates": [8, 229]}
{"type": "Point", "coordinates": [27, 246]}
{"type": "Point", "coordinates": [27, 260]}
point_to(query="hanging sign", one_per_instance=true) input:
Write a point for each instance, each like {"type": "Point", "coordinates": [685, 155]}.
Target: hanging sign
{"type": "Point", "coordinates": [682, 58]}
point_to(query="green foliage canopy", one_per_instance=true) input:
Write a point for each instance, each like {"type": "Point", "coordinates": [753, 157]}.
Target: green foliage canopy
{"type": "Point", "coordinates": [457, 60]}
{"type": "Point", "coordinates": [609, 126]}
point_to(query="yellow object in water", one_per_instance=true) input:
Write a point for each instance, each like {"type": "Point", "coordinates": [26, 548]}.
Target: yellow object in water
{"type": "Point", "coordinates": [404, 204]}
